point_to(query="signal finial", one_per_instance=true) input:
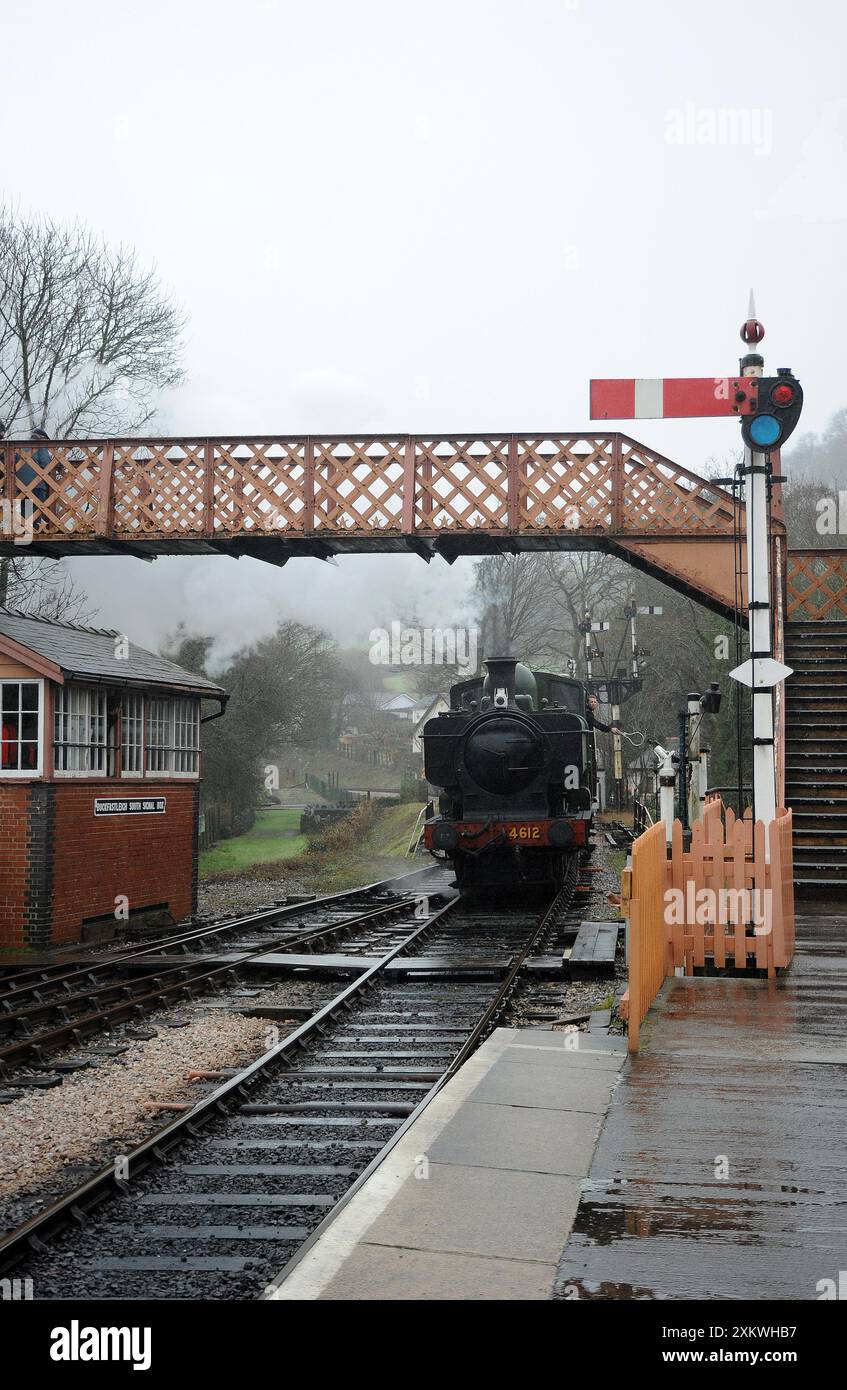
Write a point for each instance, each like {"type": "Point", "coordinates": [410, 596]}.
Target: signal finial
{"type": "Point", "coordinates": [752, 331]}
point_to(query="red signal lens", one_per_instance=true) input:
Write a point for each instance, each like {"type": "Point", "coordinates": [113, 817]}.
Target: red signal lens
{"type": "Point", "coordinates": [783, 394]}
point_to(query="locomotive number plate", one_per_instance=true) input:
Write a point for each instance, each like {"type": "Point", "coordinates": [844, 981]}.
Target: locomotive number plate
{"type": "Point", "coordinates": [524, 832]}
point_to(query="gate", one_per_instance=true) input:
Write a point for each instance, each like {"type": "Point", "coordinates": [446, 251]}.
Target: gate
{"type": "Point", "coordinates": [720, 904]}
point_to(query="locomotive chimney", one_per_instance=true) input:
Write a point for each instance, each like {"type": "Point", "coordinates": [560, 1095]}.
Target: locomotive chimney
{"type": "Point", "coordinates": [501, 675]}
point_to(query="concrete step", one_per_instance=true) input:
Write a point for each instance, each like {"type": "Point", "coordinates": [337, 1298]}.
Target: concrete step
{"type": "Point", "coordinates": [821, 838]}
{"type": "Point", "coordinates": [817, 770]}
{"type": "Point", "coordinates": [828, 713]}
{"type": "Point", "coordinates": [817, 805]}
{"type": "Point", "coordinates": [820, 659]}
{"type": "Point", "coordinates": [809, 782]}
{"type": "Point", "coordinates": [821, 856]}
{"type": "Point", "coordinates": [815, 647]}
{"type": "Point", "coordinates": [820, 625]}
{"type": "Point", "coordinates": [813, 686]}
{"type": "Point", "coordinates": [797, 744]}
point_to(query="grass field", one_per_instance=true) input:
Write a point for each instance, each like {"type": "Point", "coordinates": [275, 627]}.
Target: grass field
{"type": "Point", "coordinates": [368, 845]}
{"type": "Point", "coordinates": [271, 838]}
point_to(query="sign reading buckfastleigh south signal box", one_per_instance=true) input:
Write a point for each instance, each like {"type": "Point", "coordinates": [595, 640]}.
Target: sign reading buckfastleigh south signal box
{"type": "Point", "coordinates": [130, 805]}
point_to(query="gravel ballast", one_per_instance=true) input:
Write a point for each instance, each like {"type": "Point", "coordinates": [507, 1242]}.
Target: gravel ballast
{"type": "Point", "coordinates": [87, 1119]}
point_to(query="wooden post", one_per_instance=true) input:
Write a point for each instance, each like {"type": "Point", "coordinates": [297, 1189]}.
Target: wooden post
{"type": "Point", "coordinates": [617, 484]}
{"type": "Point", "coordinates": [104, 523]}
{"type": "Point", "coordinates": [209, 488]}
{"type": "Point", "coordinates": [9, 478]}
{"type": "Point", "coordinates": [309, 485]}
{"type": "Point", "coordinates": [514, 505]}
{"type": "Point", "coordinates": [408, 513]}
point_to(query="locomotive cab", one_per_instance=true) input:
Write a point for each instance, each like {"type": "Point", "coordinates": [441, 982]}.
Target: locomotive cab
{"type": "Point", "coordinates": [513, 759]}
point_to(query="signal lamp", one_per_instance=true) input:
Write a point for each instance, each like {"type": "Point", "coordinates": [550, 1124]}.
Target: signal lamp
{"type": "Point", "coordinates": [764, 430]}
{"type": "Point", "coordinates": [782, 394]}
{"type": "Point", "coordinates": [780, 401]}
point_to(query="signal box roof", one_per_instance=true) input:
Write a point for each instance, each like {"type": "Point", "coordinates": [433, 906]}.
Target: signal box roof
{"type": "Point", "coordinates": [91, 654]}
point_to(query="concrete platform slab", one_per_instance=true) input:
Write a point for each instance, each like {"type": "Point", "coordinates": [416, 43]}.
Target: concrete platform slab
{"type": "Point", "coordinates": [525, 1139]}
{"type": "Point", "coordinates": [562, 1087]}
{"type": "Point", "coordinates": [481, 1211]}
{"type": "Point", "coordinates": [420, 1275]}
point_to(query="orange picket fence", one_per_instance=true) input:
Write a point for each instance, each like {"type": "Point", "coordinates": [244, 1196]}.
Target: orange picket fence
{"type": "Point", "coordinates": [720, 903]}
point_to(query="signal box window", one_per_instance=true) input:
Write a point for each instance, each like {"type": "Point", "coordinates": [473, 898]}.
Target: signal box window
{"type": "Point", "coordinates": [20, 719]}
{"type": "Point", "coordinates": [132, 736]}
{"type": "Point", "coordinates": [81, 737]}
{"type": "Point", "coordinates": [173, 737]}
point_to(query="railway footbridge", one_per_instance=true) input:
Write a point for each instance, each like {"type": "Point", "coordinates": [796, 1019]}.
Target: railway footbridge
{"type": "Point", "coordinates": [278, 497]}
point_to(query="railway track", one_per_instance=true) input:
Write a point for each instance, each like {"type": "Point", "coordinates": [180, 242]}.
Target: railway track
{"type": "Point", "coordinates": [218, 1200]}
{"type": "Point", "coordinates": [41, 1014]}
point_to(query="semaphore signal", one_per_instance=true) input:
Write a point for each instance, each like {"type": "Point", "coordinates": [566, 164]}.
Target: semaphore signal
{"type": "Point", "coordinates": [769, 409]}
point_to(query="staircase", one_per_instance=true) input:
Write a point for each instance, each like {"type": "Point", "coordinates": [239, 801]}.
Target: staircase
{"type": "Point", "coordinates": [816, 754]}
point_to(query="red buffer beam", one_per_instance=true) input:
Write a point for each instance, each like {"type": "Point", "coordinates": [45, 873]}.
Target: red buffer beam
{"type": "Point", "coordinates": [661, 398]}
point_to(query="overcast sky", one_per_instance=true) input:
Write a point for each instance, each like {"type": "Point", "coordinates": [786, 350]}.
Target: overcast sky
{"type": "Point", "coordinates": [434, 216]}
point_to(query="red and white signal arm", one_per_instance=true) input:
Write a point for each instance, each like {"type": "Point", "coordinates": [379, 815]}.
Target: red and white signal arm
{"type": "Point", "coordinates": [668, 397]}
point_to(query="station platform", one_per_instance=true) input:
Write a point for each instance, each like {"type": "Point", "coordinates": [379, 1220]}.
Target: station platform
{"type": "Point", "coordinates": [476, 1199]}
{"type": "Point", "coordinates": [711, 1165]}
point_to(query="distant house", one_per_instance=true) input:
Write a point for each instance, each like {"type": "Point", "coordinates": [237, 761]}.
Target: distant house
{"type": "Point", "coordinates": [436, 706]}
{"type": "Point", "coordinates": [399, 705]}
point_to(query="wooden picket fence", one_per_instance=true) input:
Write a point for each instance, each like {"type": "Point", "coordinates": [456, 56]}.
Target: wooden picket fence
{"type": "Point", "coordinates": [744, 920]}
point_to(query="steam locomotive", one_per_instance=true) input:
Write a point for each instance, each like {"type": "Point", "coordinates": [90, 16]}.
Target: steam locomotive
{"type": "Point", "coordinates": [513, 759]}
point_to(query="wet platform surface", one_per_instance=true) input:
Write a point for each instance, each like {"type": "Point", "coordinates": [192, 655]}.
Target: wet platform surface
{"type": "Point", "coordinates": [721, 1169]}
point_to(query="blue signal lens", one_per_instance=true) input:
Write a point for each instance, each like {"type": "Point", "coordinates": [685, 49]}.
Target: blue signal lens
{"type": "Point", "coordinates": [765, 430]}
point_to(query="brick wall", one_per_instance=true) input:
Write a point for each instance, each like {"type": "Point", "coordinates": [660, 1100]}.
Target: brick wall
{"type": "Point", "coordinates": [13, 863]}
{"type": "Point", "coordinates": [61, 865]}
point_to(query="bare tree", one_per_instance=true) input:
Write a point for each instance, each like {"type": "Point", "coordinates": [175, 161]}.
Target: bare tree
{"type": "Point", "coordinates": [43, 587]}
{"type": "Point", "coordinates": [514, 608]}
{"type": "Point", "coordinates": [580, 582]}
{"type": "Point", "coordinates": [88, 340]}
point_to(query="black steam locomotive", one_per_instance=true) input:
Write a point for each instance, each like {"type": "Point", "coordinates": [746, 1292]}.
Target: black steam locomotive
{"type": "Point", "coordinates": [513, 758]}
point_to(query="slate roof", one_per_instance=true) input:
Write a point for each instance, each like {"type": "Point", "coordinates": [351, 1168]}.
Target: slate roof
{"type": "Point", "coordinates": [89, 653]}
